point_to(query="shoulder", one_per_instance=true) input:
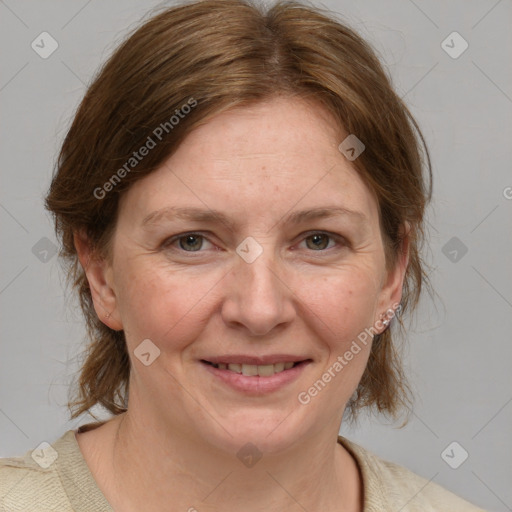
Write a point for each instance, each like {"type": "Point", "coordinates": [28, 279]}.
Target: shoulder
{"type": "Point", "coordinates": [50, 477]}
{"type": "Point", "coordinates": [31, 482]}
{"type": "Point", "coordinates": [389, 486]}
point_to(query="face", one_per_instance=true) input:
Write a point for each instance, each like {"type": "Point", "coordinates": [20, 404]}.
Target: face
{"type": "Point", "coordinates": [256, 239]}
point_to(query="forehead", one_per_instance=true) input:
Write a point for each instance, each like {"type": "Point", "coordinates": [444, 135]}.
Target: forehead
{"type": "Point", "coordinates": [268, 158]}
{"type": "Point", "coordinates": [279, 129]}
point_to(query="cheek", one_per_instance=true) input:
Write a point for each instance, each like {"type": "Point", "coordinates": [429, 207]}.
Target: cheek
{"type": "Point", "coordinates": [164, 305]}
{"type": "Point", "coordinates": [339, 309]}
{"type": "Point", "coordinates": [341, 305]}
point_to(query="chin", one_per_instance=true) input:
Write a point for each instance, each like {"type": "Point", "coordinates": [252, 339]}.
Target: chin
{"type": "Point", "coordinates": [270, 433]}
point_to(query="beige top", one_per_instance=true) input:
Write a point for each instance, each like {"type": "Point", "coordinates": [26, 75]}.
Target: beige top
{"type": "Point", "coordinates": [65, 483]}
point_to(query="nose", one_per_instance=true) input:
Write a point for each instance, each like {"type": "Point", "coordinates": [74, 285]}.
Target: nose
{"type": "Point", "coordinates": [258, 299]}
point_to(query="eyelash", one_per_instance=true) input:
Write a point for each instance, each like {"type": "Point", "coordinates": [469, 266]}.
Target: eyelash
{"type": "Point", "coordinates": [172, 240]}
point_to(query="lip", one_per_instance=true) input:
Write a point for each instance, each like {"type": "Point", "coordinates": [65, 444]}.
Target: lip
{"type": "Point", "coordinates": [256, 385]}
{"type": "Point", "coordinates": [257, 360]}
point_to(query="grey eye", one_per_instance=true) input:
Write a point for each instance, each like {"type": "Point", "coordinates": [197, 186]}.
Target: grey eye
{"type": "Point", "coordinates": [319, 241]}
{"type": "Point", "coordinates": [191, 242]}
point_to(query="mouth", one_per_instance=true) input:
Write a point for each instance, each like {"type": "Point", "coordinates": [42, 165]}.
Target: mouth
{"type": "Point", "coordinates": [254, 370]}
{"type": "Point", "coordinates": [255, 379]}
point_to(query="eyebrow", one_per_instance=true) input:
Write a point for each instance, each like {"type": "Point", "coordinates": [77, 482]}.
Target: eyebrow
{"type": "Point", "coordinates": [214, 216]}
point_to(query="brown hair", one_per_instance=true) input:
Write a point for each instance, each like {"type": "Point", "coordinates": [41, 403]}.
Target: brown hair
{"type": "Point", "coordinates": [222, 54]}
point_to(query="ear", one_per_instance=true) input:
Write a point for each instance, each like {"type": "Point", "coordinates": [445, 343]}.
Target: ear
{"type": "Point", "coordinates": [391, 292]}
{"type": "Point", "coordinates": [99, 276]}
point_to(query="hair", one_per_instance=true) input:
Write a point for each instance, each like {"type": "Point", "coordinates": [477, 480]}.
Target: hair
{"type": "Point", "coordinates": [216, 55]}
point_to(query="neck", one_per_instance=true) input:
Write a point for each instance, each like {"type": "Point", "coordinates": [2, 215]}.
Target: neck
{"type": "Point", "coordinates": [152, 467]}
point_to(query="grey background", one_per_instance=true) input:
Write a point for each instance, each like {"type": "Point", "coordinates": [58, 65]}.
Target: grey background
{"type": "Point", "coordinates": [459, 354]}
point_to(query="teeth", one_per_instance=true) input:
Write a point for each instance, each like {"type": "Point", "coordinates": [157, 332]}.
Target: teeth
{"type": "Point", "coordinates": [250, 369]}
{"type": "Point", "coordinates": [266, 370]}
{"type": "Point", "coordinates": [279, 367]}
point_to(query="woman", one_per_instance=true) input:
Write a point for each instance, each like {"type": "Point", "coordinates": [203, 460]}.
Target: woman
{"type": "Point", "coordinates": [240, 200]}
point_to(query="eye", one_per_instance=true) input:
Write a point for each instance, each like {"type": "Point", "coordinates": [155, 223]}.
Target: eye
{"type": "Point", "coordinates": [195, 242]}
{"type": "Point", "coordinates": [320, 241]}
{"type": "Point", "coordinates": [188, 242]}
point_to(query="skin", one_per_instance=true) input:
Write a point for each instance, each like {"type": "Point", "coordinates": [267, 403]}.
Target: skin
{"type": "Point", "coordinates": [178, 441]}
